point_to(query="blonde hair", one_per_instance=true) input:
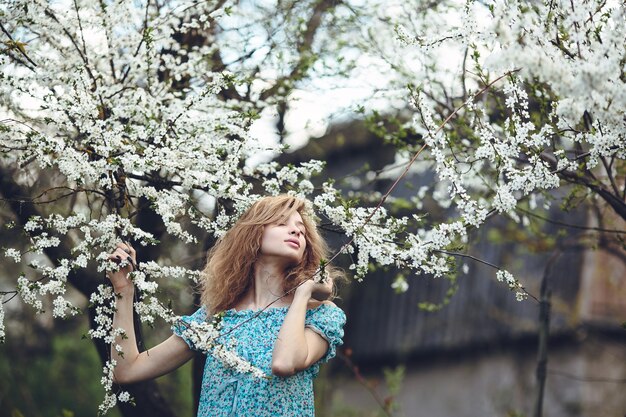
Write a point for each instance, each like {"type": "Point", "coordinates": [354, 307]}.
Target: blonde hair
{"type": "Point", "coordinates": [229, 271]}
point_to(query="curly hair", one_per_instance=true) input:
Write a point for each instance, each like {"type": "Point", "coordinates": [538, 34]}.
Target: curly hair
{"type": "Point", "coordinates": [229, 271]}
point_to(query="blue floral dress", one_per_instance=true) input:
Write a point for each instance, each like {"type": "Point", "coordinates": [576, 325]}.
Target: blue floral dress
{"type": "Point", "coordinates": [228, 393]}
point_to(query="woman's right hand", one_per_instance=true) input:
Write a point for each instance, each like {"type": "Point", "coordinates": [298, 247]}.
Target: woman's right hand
{"type": "Point", "coordinates": [119, 278]}
{"type": "Point", "coordinates": [319, 291]}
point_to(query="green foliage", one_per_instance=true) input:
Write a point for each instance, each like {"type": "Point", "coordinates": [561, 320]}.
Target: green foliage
{"type": "Point", "coordinates": [392, 130]}
{"type": "Point", "coordinates": [394, 379]}
{"type": "Point", "coordinates": [387, 404]}
{"type": "Point", "coordinates": [176, 387]}
{"type": "Point", "coordinates": [60, 380]}
{"type": "Point", "coordinates": [63, 379]}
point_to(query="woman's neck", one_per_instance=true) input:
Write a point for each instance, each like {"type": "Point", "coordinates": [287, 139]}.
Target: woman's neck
{"type": "Point", "coordinates": [267, 287]}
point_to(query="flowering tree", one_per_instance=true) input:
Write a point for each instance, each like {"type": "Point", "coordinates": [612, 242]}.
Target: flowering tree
{"type": "Point", "coordinates": [131, 121]}
{"type": "Point", "coordinates": [132, 114]}
{"type": "Point", "coordinates": [536, 91]}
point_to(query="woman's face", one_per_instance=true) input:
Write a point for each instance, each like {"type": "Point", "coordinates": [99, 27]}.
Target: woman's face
{"type": "Point", "coordinates": [285, 239]}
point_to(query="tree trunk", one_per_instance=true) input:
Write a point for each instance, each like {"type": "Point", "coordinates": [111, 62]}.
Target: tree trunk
{"type": "Point", "coordinates": [149, 401]}
{"type": "Point", "coordinates": [544, 329]}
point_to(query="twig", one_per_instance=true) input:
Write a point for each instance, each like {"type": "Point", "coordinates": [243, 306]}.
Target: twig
{"type": "Point", "coordinates": [573, 226]}
{"type": "Point", "coordinates": [16, 45]}
{"type": "Point", "coordinates": [80, 26]}
{"type": "Point", "coordinates": [586, 378]}
{"type": "Point", "coordinates": [363, 381]}
{"type": "Point", "coordinates": [544, 329]}
{"type": "Point", "coordinates": [464, 255]}
{"type": "Point", "coordinates": [3, 293]}
{"type": "Point", "coordinates": [48, 12]}
{"type": "Point", "coordinates": [609, 174]}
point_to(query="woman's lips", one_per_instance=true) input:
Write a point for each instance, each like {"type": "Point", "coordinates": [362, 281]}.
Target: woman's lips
{"type": "Point", "coordinates": [293, 242]}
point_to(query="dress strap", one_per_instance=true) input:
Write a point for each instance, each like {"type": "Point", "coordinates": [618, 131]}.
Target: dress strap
{"type": "Point", "coordinates": [222, 387]}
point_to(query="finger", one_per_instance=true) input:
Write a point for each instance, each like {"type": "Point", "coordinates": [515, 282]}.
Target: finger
{"type": "Point", "coordinates": [114, 257]}
{"type": "Point", "coordinates": [124, 247]}
{"type": "Point", "coordinates": [321, 293]}
{"type": "Point", "coordinates": [131, 249]}
{"type": "Point", "coordinates": [131, 262]}
{"type": "Point", "coordinates": [124, 252]}
{"type": "Point", "coordinates": [327, 284]}
{"type": "Point", "coordinates": [119, 252]}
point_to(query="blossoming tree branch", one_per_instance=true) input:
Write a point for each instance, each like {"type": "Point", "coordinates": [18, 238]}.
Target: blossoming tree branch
{"type": "Point", "coordinates": [130, 121]}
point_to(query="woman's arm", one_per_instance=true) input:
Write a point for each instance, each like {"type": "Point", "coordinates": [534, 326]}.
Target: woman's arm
{"type": "Point", "coordinates": [297, 347]}
{"type": "Point", "coordinates": [133, 366]}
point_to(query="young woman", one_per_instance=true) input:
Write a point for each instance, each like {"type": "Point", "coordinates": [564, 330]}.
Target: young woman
{"type": "Point", "coordinates": [273, 249]}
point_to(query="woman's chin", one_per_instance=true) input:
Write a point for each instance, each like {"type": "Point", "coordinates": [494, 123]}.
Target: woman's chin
{"type": "Point", "coordinates": [292, 262]}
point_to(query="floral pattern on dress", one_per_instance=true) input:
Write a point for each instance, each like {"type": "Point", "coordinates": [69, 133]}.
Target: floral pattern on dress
{"type": "Point", "coordinates": [228, 393]}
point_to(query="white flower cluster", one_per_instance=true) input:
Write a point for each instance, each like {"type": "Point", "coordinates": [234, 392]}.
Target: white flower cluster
{"type": "Point", "coordinates": [159, 272]}
{"type": "Point", "coordinates": [514, 285]}
{"type": "Point", "coordinates": [582, 69]}
{"type": "Point", "coordinates": [151, 309]}
{"type": "Point", "coordinates": [124, 397]}
{"type": "Point", "coordinates": [110, 399]}
{"type": "Point", "coordinates": [14, 254]}
{"type": "Point", "coordinates": [104, 301]}
{"type": "Point", "coordinates": [381, 239]}
{"type": "Point", "coordinates": [108, 371]}
{"type": "Point", "coordinates": [203, 336]}
{"type": "Point", "coordinates": [62, 308]}
{"type": "Point", "coordinates": [568, 55]}
{"type": "Point", "coordinates": [231, 360]}
{"type": "Point", "coordinates": [141, 282]}
{"type": "Point", "coordinates": [28, 291]}
{"type": "Point", "coordinates": [290, 177]}
{"type": "Point", "coordinates": [43, 241]}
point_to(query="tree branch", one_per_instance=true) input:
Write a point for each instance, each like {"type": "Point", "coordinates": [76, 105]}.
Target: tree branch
{"type": "Point", "coordinates": [613, 200]}
{"type": "Point", "coordinates": [16, 44]}
{"type": "Point", "coordinates": [573, 226]}
{"type": "Point", "coordinates": [304, 47]}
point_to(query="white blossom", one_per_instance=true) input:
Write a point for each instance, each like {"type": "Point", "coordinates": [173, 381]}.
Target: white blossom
{"type": "Point", "coordinates": [123, 397]}
{"type": "Point", "coordinates": [400, 284]}
{"type": "Point", "coordinates": [62, 307]}
{"type": "Point", "coordinates": [13, 254]}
